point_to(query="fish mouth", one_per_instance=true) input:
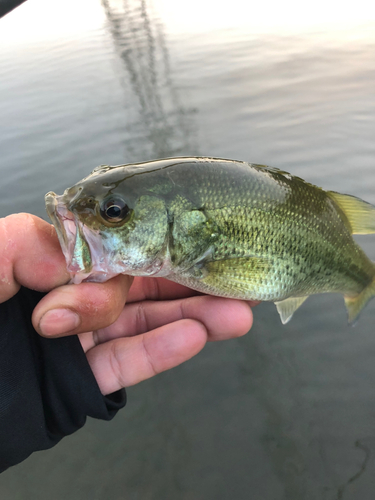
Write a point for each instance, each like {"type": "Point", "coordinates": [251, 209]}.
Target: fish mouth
{"type": "Point", "coordinates": [81, 246]}
{"type": "Point", "coordinates": [65, 225]}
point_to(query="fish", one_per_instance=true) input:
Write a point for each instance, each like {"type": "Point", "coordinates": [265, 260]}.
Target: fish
{"type": "Point", "coordinates": [222, 227]}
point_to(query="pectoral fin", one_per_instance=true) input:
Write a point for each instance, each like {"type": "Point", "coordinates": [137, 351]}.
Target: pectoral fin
{"type": "Point", "coordinates": [286, 308]}
{"type": "Point", "coordinates": [239, 277]}
{"type": "Point", "coordinates": [242, 278]}
{"type": "Point", "coordinates": [360, 214]}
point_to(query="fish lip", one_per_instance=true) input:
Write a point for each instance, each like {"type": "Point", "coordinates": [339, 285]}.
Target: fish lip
{"type": "Point", "coordinates": [65, 225]}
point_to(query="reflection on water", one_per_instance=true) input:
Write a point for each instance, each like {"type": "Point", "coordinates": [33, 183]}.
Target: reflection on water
{"type": "Point", "coordinates": [285, 413]}
{"type": "Point", "coordinates": [161, 118]}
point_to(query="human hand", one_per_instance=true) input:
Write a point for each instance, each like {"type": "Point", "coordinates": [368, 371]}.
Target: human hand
{"type": "Point", "coordinates": [162, 324]}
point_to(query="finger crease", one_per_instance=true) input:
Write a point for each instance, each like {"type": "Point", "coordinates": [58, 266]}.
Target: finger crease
{"type": "Point", "coordinates": [115, 363]}
{"type": "Point", "coordinates": [141, 319]}
{"type": "Point", "coordinates": [182, 309]}
{"type": "Point", "coordinates": [153, 291]}
{"type": "Point", "coordinates": [95, 337]}
{"type": "Point", "coordinates": [148, 357]}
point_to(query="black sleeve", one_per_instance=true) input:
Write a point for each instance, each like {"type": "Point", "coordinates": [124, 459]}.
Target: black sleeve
{"type": "Point", "coordinates": [47, 388]}
{"type": "Point", "coordinates": [8, 5]}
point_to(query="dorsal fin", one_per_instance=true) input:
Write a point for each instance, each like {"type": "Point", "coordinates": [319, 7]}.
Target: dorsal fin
{"type": "Point", "coordinates": [360, 214]}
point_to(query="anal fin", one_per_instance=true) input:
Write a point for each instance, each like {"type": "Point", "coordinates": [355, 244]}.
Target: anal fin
{"type": "Point", "coordinates": [354, 305]}
{"type": "Point", "coordinates": [286, 308]}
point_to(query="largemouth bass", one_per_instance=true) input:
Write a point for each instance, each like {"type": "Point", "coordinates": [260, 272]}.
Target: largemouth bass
{"type": "Point", "coordinates": [221, 227]}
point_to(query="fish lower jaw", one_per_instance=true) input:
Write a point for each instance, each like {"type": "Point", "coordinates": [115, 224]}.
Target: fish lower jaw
{"type": "Point", "coordinates": [78, 278]}
{"type": "Point", "coordinates": [101, 273]}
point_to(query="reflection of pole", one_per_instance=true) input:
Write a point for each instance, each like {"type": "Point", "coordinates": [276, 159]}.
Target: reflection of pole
{"type": "Point", "coordinates": [140, 43]}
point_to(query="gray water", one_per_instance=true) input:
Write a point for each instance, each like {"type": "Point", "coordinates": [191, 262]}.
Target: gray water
{"type": "Point", "coordinates": [287, 412]}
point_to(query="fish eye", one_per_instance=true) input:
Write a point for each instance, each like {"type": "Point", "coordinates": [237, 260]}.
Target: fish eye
{"type": "Point", "coordinates": [114, 210]}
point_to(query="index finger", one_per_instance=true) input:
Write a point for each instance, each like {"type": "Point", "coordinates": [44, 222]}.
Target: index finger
{"type": "Point", "coordinates": [30, 255]}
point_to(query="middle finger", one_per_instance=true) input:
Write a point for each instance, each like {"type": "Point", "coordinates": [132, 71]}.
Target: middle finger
{"type": "Point", "coordinates": [223, 318]}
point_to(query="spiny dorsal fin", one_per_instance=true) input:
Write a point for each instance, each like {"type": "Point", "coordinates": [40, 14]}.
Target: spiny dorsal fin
{"type": "Point", "coordinates": [360, 214]}
{"type": "Point", "coordinates": [286, 308]}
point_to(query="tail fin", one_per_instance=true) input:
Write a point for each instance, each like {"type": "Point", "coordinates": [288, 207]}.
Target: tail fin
{"type": "Point", "coordinates": [354, 305]}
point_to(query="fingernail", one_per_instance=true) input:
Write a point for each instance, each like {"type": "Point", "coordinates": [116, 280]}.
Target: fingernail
{"type": "Point", "coordinates": [58, 322]}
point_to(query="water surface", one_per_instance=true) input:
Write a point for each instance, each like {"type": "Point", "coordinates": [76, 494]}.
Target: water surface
{"type": "Point", "coordinates": [285, 412]}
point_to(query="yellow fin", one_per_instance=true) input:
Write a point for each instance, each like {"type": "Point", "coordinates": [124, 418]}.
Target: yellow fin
{"type": "Point", "coordinates": [354, 305]}
{"type": "Point", "coordinates": [360, 214]}
{"type": "Point", "coordinates": [286, 308]}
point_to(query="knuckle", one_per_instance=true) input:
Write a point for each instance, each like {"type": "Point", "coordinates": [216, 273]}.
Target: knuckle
{"type": "Point", "coordinates": [102, 300]}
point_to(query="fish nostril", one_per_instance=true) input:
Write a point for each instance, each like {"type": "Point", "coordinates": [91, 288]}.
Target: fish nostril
{"type": "Point", "coordinates": [71, 195]}
{"type": "Point", "coordinates": [73, 191]}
